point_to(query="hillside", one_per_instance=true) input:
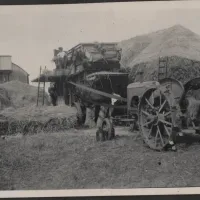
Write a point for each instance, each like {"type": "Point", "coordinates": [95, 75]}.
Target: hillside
{"type": "Point", "coordinates": [180, 45]}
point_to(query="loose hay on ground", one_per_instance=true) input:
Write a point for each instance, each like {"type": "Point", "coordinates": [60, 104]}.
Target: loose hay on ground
{"type": "Point", "coordinates": [32, 119]}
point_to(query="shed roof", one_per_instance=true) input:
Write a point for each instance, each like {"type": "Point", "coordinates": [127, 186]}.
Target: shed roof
{"type": "Point", "coordinates": [20, 68]}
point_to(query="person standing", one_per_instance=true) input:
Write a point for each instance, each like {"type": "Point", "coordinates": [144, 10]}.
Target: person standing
{"type": "Point", "coordinates": [61, 56]}
{"type": "Point", "coordinates": [53, 94]}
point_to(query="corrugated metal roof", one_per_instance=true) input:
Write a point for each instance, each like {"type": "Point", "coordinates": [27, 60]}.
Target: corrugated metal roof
{"type": "Point", "coordinates": [20, 68]}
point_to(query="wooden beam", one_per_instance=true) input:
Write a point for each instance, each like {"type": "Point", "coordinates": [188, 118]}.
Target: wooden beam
{"type": "Point", "coordinates": [99, 92]}
{"type": "Point", "coordinates": [39, 87]}
{"type": "Point", "coordinates": [43, 91]}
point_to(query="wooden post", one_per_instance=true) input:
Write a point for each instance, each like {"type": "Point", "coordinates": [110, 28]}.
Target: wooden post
{"type": "Point", "coordinates": [66, 93]}
{"type": "Point", "coordinates": [90, 117]}
{"type": "Point", "coordinates": [167, 67]}
{"type": "Point", "coordinates": [44, 89]}
{"type": "Point", "coordinates": [39, 86]}
{"type": "Point", "coordinates": [102, 116]}
{"type": "Point", "coordinates": [70, 97]}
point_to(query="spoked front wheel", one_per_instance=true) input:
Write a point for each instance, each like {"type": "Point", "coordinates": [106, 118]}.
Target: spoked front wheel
{"type": "Point", "coordinates": [155, 119]}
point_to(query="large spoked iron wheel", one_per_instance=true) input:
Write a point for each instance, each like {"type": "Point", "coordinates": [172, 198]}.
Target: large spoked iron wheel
{"type": "Point", "coordinates": [155, 119]}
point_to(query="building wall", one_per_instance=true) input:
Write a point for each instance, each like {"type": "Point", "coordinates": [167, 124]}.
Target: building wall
{"type": "Point", "coordinates": [10, 71]}
{"type": "Point", "coordinates": [4, 76]}
{"type": "Point", "coordinates": [19, 74]}
{"type": "Point", "coordinates": [5, 63]}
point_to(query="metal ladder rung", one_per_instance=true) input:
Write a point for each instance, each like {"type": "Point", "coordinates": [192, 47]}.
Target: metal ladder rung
{"type": "Point", "coordinates": [40, 93]}
{"type": "Point", "coordinates": [162, 68]}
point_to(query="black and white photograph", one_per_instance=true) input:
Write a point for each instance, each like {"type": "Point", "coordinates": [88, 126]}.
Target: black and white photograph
{"type": "Point", "coordinates": [100, 96]}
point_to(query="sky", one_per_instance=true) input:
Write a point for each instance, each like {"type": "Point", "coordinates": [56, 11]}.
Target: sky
{"type": "Point", "coordinates": [30, 33]}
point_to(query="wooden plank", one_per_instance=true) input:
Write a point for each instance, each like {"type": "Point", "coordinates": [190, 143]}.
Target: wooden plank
{"type": "Point", "coordinates": [127, 120]}
{"type": "Point", "coordinates": [99, 92]}
{"type": "Point", "coordinates": [70, 97]}
{"type": "Point", "coordinates": [39, 86]}
{"type": "Point", "coordinates": [108, 105]}
{"type": "Point", "coordinates": [43, 91]}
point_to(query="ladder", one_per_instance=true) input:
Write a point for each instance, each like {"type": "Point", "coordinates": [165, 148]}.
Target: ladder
{"type": "Point", "coordinates": [162, 68]}
{"type": "Point", "coordinates": [41, 91]}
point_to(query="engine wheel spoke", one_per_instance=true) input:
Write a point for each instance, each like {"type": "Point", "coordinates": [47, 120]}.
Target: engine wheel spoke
{"type": "Point", "coordinates": [165, 122]}
{"type": "Point", "coordinates": [148, 115]}
{"type": "Point", "coordinates": [149, 104]}
{"type": "Point", "coordinates": [150, 131]}
{"type": "Point", "coordinates": [161, 136]}
{"type": "Point", "coordinates": [160, 98]}
{"type": "Point", "coordinates": [166, 114]}
{"type": "Point", "coordinates": [167, 131]}
{"type": "Point", "coordinates": [147, 123]}
{"type": "Point", "coordinates": [162, 105]}
{"type": "Point", "coordinates": [156, 137]}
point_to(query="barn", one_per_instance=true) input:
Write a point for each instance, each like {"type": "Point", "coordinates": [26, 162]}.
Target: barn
{"type": "Point", "coordinates": [10, 71]}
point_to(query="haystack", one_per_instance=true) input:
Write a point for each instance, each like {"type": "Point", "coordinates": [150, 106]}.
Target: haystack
{"type": "Point", "coordinates": [19, 113]}
{"type": "Point", "coordinates": [177, 46]}
{"type": "Point", "coordinates": [33, 119]}
{"type": "Point", "coordinates": [17, 94]}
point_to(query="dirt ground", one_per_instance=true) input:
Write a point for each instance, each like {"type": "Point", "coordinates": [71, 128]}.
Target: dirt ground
{"type": "Point", "coordinates": [74, 160]}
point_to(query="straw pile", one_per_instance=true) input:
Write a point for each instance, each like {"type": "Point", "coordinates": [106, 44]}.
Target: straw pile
{"type": "Point", "coordinates": [19, 113]}
{"type": "Point", "coordinates": [178, 46]}
{"type": "Point", "coordinates": [17, 94]}
{"type": "Point", "coordinates": [32, 119]}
